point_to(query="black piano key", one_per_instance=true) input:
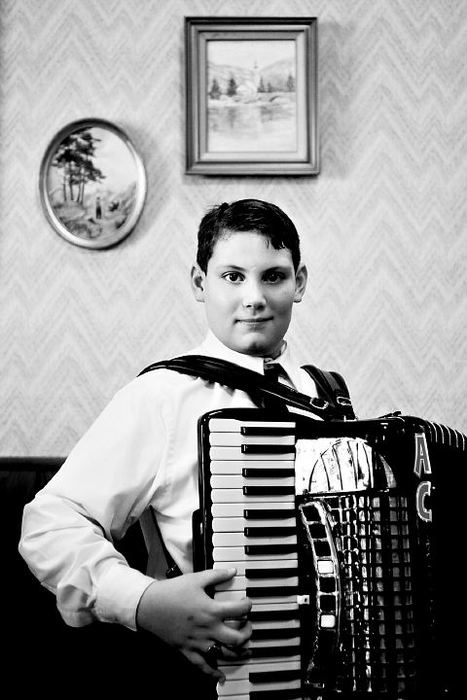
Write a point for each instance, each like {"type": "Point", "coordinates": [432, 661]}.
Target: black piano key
{"type": "Point", "coordinates": [267, 449]}
{"type": "Point", "coordinates": [275, 633]}
{"type": "Point", "coordinates": [274, 473]}
{"type": "Point", "coordinates": [269, 531]}
{"type": "Point", "coordinates": [270, 591]}
{"type": "Point", "coordinates": [272, 615]}
{"type": "Point", "coordinates": [268, 490]}
{"type": "Point", "coordinates": [274, 676]}
{"type": "Point", "coordinates": [259, 549]}
{"type": "Point", "coordinates": [271, 573]}
{"type": "Point", "coordinates": [259, 430]}
{"type": "Point", "coordinates": [268, 513]}
{"type": "Point", "coordinates": [286, 694]}
{"type": "Point", "coordinates": [271, 652]}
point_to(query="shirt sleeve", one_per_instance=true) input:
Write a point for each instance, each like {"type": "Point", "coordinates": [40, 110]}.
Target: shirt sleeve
{"type": "Point", "coordinates": [104, 486]}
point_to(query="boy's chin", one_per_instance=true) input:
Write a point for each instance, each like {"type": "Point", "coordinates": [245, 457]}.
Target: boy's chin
{"type": "Point", "coordinates": [256, 347]}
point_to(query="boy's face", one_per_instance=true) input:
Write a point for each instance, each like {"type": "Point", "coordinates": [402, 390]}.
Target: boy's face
{"type": "Point", "coordinates": [249, 290]}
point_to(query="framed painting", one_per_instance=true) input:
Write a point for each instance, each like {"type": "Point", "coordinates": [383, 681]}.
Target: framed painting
{"type": "Point", "coordinates": [251, 96]}
{"type": "Point", "coordinates": [92, 183]}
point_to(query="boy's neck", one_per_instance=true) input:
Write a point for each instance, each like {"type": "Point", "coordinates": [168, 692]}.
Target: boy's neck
{"type": "Point", "coordinates": [282, 349]}
{"type": "Point", "coordinates": [212, 338]}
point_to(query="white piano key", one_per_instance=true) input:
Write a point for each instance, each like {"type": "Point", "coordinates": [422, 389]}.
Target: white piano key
{"type": "Point", "coordinates": [231, 439]}
{"type": "Point", "coordinates": [291, 608]}
{"type": "Point", "coordinates": [229, 596]}
{"type": "Point", "coordinates": [240, 582]}
{"type": "Point", "coordinates": [242, 685]}
{"type": "Point", "coordinates": [238, 524]}
{"type": "Point", "coordinates": [220, 510]}
{"type": "Point", "coordinates": [289, 642]}
{"type": "Point", "coordinates": [281, 606]}
{"type": "Point", "coordinates": [236, 466]}
{"type": "Point", "coordinates": [243, 671]}
{"type": "Point", "coordinates": [257, 565]}
{"type": "Point", "coordinates": [233, 539]}
{"type": "Point", "coordinates": [238, 554]}
{"type": "Point", "coordinates": [237, 496]}
{"type": "Point", "coordinates": [277, 624]}
{"type": "Point", "coordinates": [234, 481]}
{"type": "Point", "coordinates": [234, 425]}
{"type": "Point", "coordinates": [237, 677]}
{"type": "Point", "coordinates": [252, 660]}
{"type": "Point", "coordinates": [236, 453]}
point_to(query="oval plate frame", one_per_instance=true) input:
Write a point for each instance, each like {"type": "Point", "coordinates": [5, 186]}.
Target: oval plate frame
{"type": "Point", "coordinates": [80, 205]}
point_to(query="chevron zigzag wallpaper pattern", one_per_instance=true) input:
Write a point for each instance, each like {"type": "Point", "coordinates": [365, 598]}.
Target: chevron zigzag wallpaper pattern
{"type": "Point", "coordinates": [383, 226]}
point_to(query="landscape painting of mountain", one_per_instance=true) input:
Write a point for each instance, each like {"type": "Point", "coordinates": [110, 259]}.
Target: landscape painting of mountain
{"type": "Point", "coordinates": [252, 105]}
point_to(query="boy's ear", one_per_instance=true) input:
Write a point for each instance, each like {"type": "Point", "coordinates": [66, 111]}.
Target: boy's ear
{"type": "Point", "coordinates": [301, 277]}
{"type": "Point", "coordinates": [197, 282]}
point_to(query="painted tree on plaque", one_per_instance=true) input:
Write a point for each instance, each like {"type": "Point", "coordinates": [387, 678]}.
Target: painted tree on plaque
{"type": "Point", "coordinates": [75, 157]}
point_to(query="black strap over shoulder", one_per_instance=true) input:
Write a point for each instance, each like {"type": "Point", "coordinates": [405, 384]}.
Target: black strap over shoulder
{"type": "Point", "coordinates": [332, 387]}
{"type": "Point", "coordinates": [332, 404]}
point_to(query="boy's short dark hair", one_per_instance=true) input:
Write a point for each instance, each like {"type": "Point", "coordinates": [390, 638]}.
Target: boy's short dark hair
{"type": "Point", "coordinates": [247, 215]}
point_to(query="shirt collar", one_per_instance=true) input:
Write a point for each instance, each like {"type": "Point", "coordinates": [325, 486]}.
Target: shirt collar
{"type": "Point", "coordinates": [213, 347]}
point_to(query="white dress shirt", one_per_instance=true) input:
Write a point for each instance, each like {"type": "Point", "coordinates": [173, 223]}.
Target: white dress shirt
{"type": "Point", "coordinates": [141, 451]}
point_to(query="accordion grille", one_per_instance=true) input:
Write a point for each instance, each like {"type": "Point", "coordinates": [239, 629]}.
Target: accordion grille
{"type": "Point", "coordinates": [372, 539]}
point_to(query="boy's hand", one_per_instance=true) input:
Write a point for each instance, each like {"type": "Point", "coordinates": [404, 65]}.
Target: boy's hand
{"type": "Point", "coordinates": [180, 612]}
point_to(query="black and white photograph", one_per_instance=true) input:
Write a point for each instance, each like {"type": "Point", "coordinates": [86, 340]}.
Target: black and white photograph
{"type": "Point", "coordinates": [233, 292]}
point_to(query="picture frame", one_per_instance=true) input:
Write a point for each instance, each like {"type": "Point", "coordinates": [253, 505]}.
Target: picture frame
{"type": "Point", "coordinates": [251, 95]}
{"type": "Point", "coordinates": [92, 183]}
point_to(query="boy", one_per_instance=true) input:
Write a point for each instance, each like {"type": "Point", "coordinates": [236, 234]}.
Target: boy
{"type": "Point", "coordinates": [141, 452]}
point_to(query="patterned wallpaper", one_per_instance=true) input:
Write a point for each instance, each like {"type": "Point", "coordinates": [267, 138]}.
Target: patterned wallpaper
{"type": "Point", "coordinates": [382, 225]}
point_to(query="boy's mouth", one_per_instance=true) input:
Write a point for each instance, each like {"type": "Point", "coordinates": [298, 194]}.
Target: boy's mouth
{"type": "Point", "coordinates": [254, 321]}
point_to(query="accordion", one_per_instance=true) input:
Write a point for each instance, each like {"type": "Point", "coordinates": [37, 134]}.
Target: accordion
{"type": "Point", "coordinates": [343, 535]}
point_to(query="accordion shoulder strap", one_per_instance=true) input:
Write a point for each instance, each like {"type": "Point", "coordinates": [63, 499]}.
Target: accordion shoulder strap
{"type": "Point", "coordinates": [332, 403]}
{"type": "Point", "coordinates": [331, 387]}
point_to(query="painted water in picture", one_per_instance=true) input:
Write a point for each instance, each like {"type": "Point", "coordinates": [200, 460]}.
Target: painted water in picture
{"type": "Point", "coordinates": [251, 96]}
{"type": "Point", "coordinates": [92, 184]}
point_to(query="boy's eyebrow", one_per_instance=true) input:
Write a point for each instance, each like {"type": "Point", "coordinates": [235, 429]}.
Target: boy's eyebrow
{"type": "Point", "coordinates": [232, 266]}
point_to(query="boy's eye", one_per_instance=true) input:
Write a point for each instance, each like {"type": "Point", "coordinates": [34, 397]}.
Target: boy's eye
{"type": "Point", "coordinates": [232, 276]}
{"type": "Point", "coordinates": [274, 276]}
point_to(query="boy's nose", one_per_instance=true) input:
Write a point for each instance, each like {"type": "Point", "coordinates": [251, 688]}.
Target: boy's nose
{"type": "Point", "coordinates": [253, 295]}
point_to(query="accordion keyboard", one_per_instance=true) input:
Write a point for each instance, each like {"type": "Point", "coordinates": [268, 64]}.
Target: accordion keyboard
{"type": "Point", "coordinates": [254, 529]}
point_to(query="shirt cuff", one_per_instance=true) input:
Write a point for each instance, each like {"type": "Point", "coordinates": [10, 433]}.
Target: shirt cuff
{"type": "Point", "coordinates": [120, 590]}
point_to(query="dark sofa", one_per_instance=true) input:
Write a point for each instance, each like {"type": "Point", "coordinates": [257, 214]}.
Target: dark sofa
{"type": "Point", "coordinates": [40, 653]}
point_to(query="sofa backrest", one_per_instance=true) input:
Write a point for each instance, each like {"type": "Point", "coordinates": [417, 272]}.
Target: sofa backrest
{"type": "Point", "coordinates": [30, 624]}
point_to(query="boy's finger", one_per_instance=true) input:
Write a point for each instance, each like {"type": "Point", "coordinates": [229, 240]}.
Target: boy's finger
{"type": "Point", "coordinates": [212, 576]}
{"type": "Point", "coordinates": [200, 661]}
{"type": "Point", "coordinates": [234, 638]}
{"type": "Point", "coordinates": [235, 653]}
{"type": "Point", "coordinates": [236, 623]}
{"type": "Point", "coordinates": [235, 608]}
